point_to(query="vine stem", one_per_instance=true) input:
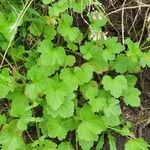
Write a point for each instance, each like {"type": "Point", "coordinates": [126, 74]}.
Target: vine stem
{"type": "Point", "coordinates": [15, 27]}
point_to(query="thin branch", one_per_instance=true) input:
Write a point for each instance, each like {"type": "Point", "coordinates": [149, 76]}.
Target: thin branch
{"type": "Point", "coordinates": [144, 24]}
{"type": "Point", "coordinates": [125, 8]}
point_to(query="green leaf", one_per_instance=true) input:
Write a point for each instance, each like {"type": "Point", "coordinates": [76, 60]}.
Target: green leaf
{"type": "Point", "coordinates": [57, 127]}
{"type": "Point", "coordinates": [112, 120]}
{"type": "Point", "coordinates": [112, 143]}
{"type": "Point", "coordinates": [86, 145]}
{"type": "Point", "coordinates": [78, 6]}
{"type": "Point", "coordinates": [87, 50]}
{"type": "Point", "coordinates": [96, 27]}
{"type": "Point", "coordinates": [108, 56]}
{"type": "Point", "coordinates": [98, 20]}
{"type": "Point", "coordinates": [112, 108]}
{"type": "Point", "coordinates": [93, 53]}
{"type": "Point", "coordinates": [39, 77]}
{"type": "Point", "coordinates": [125, 131]}
{"type": "Point", "coordinates": [36, 28]}
{"type": "Point", "coordinates": [52, 57]}
{"type": "Point", "coordinates": [134, 51]}
{"type": "Point", "coordinates": [22, 123]}
{"type": "Point", "coordinates": [65, 110]}
{"type": "Point", "coordinates": [100, 143]}
{"type": "Point", "coordinates": [72, 33]}
{"type": "Point", "coordinates": [67, 19]}
{"type": "Point", "coordinates": [36, 89]}
{"type": "Point", "coordinates": [84, 74]}
{"type": "Point", "coordinates": [69, 61]}
{"type": "Point", "coordinates": [91, 125]}
{"type": "Point", "coordinates": [30, 60]}
{"type": "Point", "coordinates": [89, 90]}
{"type": "Point", "coordinates": [43, 144]}
{"type": "Point", "coordinates": [49, 32]}
{"type": "Point", "coordinates": [58, 8]}
{"type": "Point", "coordinates": [145, 59]}
{"type": "Point", "coordinates": [45, 46]}
{"type": "Point", "coordinates": [19, 100]}
{"type": "Point", "coordinates": [17, 53]}
{"type": "Point", "coordinates": [7, 24]}
{"type": "Point", "coordinates": [72, 46]}
{"type": "Point", "coordinates": [47, 144]}
{"type": "Point", "coordinates": [116, 85]}
{"type": "Point", "coordinates": [103, 93]}
{"type": "Point", "coordinates": [9, 141]}
{"type": "Point", "coordinates": [2, 119]}
{"type": "Point", "coordinates": [99, 64]}
{"type": "Point", "coordinates": [65, 146]}
{"type": "Point", "coordinates": [113, 45]}
{"type": "Point", "coordinates": [124, 64]}
{"type": "Point", "coordinates": [112, 48]}
{"type": "Point", "coordinates": [55, 94]}
{"type": "Point", "coordinates": [48, 1]}
{"type": "Point", "coordinates": [131, 79]}
{"type": "Point", "coordinates": [85, 113]}
{"type": "Point", "coordinates": [98, 104]}
{"type": "Point", "coordinates": [69, 78]}
{"type": "Point", "coordinates": [131, 97]}
{"type": "Point", "coordinates": [88, 130]}
{"type": "Point", "coordinates": [37, 73]}
{"type": "Point", "coordinates": [6, 83]}
{"type": "Point", "coordinates": [10, 137]}
{"type": "Point", "coordinates": [138, 144]}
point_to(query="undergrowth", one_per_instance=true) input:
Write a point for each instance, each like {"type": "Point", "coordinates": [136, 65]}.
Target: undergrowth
{"type": "Point", "coordinates": [65, 77]}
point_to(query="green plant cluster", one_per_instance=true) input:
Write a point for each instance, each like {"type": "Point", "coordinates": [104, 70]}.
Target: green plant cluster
{"type": "Point", "coordinates": [57, 79]}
